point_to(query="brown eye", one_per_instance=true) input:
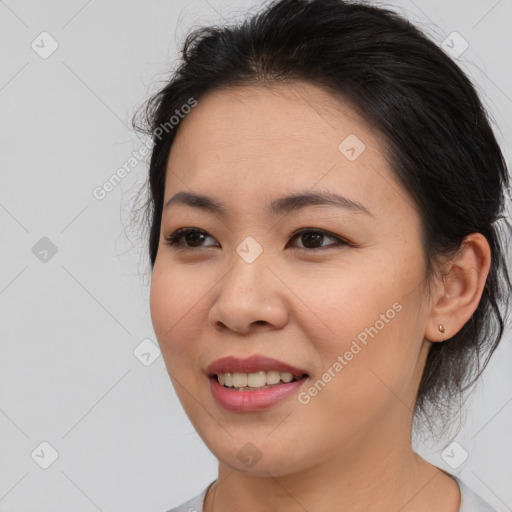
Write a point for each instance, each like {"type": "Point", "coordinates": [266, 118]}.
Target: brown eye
{"type": "Point", "coordinates": [193, 238]}
{"type": "Point", "coordinates": [313, 238]}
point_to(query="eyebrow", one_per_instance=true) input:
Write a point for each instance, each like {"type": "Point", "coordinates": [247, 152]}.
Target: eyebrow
{"type": "Point", "coordinates": [280, 206]}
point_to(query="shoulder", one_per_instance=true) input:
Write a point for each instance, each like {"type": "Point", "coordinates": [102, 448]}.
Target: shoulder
{"type": "Point", "coordinates": [194, 504]}
{"type": "Point", "coordinates": [470, 501]}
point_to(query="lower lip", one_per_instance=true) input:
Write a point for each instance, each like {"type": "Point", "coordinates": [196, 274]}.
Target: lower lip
{"type": "Point", "coordinates": [247, 401]}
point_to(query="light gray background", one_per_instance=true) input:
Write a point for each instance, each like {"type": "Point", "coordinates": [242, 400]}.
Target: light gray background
{"type": "Point", "coordinates": [69, 325]}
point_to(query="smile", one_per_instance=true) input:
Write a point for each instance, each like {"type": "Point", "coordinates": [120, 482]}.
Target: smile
{"type": "Point", "coordinates": [256, 380]}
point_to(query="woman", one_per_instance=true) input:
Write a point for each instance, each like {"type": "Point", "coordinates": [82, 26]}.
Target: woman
{"type": "Point", "coordinates": [325, 198]}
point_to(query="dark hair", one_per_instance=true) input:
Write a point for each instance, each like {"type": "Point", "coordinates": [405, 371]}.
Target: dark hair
{"type": "Point", "coordinates": [439, 141]}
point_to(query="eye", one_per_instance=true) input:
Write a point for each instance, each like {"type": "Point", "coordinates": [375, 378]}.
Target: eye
{"type": "Point", "coordinates": [192, 236]}
{"type": "Point", "coordinates": [310, 238]}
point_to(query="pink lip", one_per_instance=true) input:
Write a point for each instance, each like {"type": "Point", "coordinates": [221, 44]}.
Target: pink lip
{"type": "Point", "coordinates": [247, 401]}
{"type": "Point", "coordinates": [251, 364]}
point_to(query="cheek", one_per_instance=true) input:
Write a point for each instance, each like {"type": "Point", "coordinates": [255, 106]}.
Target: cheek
{"type": "Point", "coordinates": [343, 302]}
{"type": "Point", "coordinates": [175, 302]}
{"type": "Point", "coordinates": [360, 382]}
{"type": "Point", "coordinates": [370, 352]}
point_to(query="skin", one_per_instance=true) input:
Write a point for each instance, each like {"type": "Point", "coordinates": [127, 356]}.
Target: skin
{"type": "Point", "coordinates": [349, 448]}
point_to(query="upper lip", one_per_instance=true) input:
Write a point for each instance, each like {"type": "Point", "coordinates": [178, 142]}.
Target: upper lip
{"type": "Point", "coordinates": [252, 364]}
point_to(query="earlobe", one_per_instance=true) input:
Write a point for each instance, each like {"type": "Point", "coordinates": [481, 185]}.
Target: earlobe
{"type": "Point", "coordinates": [459, 291]}
{"type": "Point", "coordinates": [441, 328]}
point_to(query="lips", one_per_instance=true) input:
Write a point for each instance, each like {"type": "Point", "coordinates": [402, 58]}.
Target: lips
{"type": "Point", "coordinates": [255, 363]}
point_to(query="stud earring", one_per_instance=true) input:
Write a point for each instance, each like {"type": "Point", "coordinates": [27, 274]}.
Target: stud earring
{"type": "Point", "coordinates": [441, 328]}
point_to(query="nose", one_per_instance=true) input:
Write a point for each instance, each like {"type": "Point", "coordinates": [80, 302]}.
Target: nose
{"type": "Point", "coordinates": [250, 296]}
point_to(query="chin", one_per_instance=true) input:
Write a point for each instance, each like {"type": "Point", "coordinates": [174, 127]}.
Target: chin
{"type": "Point", "coordinates": [257, 458]}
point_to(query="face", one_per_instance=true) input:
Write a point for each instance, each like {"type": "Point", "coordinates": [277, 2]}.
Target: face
{"type": "Point", "coordinates": [335, 289]}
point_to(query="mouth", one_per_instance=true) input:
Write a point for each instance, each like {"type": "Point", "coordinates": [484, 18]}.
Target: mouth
{"type": "Point", "coordinates": [254, 397]}
{"type": "Point", "coordinates": [253, 373]}
{"type": "Point", "coordinates": [256, 381]}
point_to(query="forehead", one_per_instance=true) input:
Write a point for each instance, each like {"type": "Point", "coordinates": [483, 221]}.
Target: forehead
{"type": "Point", "coordinates": [262, 138]}
{"type": "Point", "coordinates": [247, 126]}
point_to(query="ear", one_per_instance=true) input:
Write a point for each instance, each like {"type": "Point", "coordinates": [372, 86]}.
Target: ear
{"type": "Point", "coordinates": [458, 294]}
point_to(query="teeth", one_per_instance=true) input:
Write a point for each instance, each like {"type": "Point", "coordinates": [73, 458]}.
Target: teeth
{"type": "Point", "coordinates": [286, 377]}
{"type": "Point", "coordinates": [254, 380]}
{"type": "Point", "coordinates": [239, 380]}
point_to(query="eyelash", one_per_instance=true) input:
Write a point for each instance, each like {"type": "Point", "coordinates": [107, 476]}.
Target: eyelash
{"type": "Point", "coordinates": [174, 239]}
